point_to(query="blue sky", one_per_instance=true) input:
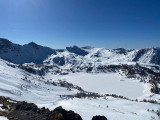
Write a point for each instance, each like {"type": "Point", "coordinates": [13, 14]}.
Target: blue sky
{"type": "Point", "coordinates": [98, 23]}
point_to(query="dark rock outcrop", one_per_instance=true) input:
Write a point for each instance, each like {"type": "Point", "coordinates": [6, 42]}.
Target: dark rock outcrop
{"type": "Point", "coordinates": [77, 50]}
{"type": "Point", "coordinates": [121, 51]}
{"type": "Point", "coordinates": [151, 53]}
{"type": "Point", "coordinates": [98, 117]}
{"type": "Point", "coordinates": [5, 43]}
{"type": "Point", "coordinates": [156, 57]}
{"type": "Point", "coordinates": [61, 114]}
{"type": "Point", "coordinates": [59, 60]}
{"type": "Point", "coordinates": [16, 110]}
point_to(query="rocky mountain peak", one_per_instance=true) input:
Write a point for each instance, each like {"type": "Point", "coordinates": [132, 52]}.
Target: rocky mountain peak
{"type": "Point", "coordinates": [32, 43]}
{"type": "Point", "coordinates": [5, 43]}
{"type": "Point", "coordinates": [77, 50]}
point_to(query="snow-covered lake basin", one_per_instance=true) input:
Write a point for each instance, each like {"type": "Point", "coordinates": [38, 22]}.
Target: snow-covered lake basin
{"type": "Point", "coordinates": [105, 83]}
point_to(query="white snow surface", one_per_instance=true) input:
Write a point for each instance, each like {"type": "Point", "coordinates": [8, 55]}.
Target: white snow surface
{"type": "Point", "coordinates": [35, 90]}
{"type": "Point", "coordinates": [3, 118]}
{"type": "Point", "coordinates": [66, 60]}
{"type": "Point", "coordinates": [108, 83]}
{"type": "Point", "coordinates": [105, 83]}
{"type": "Point", "coordinates": [118, 109]}
{"type": "Point", "coordinates": [96, 56]}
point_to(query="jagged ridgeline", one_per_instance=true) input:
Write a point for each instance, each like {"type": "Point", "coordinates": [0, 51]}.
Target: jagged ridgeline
{"type": "Point", "coordinates": [20, 54]}
{"type": "Point", "coordinates": [35, 53]}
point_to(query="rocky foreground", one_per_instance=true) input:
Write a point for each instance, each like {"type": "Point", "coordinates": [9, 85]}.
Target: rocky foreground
{"type": "Point", "coordinates": [21, 110]}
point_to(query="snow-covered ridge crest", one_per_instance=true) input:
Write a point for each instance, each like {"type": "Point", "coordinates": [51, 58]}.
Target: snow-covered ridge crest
{"type": "Point", "coordinates": [102, 56]}
{"type": "Point", "coordinates": [27, 53]}
{"type": "Point", "coordinates": [34, 53]}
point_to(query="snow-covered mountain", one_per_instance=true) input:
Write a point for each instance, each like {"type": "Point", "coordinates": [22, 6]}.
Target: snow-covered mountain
{"type": "Point", "coordinates": [47, 91]}
{"type": "Point", "coordinates": [20, 54]}
{"type": "Point", "coordinates": [93, 56]}
{"type": "Point", "coordinates": [33, 53]}
{"type": "Point", "coordinates": [88, 59]}
{"type": "Point", "coordinates": [148, 55]}
{"type": "Point", "coordinates": [117, 83]}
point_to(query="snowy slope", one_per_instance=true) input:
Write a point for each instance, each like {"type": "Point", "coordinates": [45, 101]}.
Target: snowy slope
{"type": "Point", "coordinates": [23, 54]}
{"type": "Point", "coordinates": [112, 108]}
{"type": "Point", "coordinates": [95, 56]}
{"type": "Point", "coordinates": [100, 56]}
{"type": "Point", "coordinates": [35, 82]}
{"type": "Point", "coordinates": [3, 118]}
{"type": "Point", "coordinates": [145, 56]}
{"type": "Point", "coordinates": [19, 85]}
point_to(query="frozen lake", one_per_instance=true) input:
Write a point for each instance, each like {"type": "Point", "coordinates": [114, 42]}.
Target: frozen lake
{"type": "Point", "coordinates": [111, 83]}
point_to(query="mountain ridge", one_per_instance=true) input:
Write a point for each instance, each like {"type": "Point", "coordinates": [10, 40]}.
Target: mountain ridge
{"type": "Point", "coordinates": [32, 52]}
{"type": "Point", "coordinates": [27, 53]}
{"type": "Point", "coordinates": [72, 78]}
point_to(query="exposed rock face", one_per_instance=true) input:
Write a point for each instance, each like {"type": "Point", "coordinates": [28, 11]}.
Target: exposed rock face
{"type": "Point", "coordinates": [61, 114]}
{"type": "Point", "coordinates": [4, 43]}
{"type": "Point", "coordinates": [99, 118]}
{"type": "Point", "coordinates": [148, 55]}
{"type": "Point", "coordinates": [16, 110]}
{"type": "Point", "coordinates": [77, 50]}
{"type": "Point", "coordinates": [28, 111]}
{"type": "Point", "coordinates": [121, 51]}
{"type": "Point", "coordinates": [156, 57]}
{"type": "Point", "coordinates": [59, 60]}
{"type": "Point", "coordinates": [139, 54]}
